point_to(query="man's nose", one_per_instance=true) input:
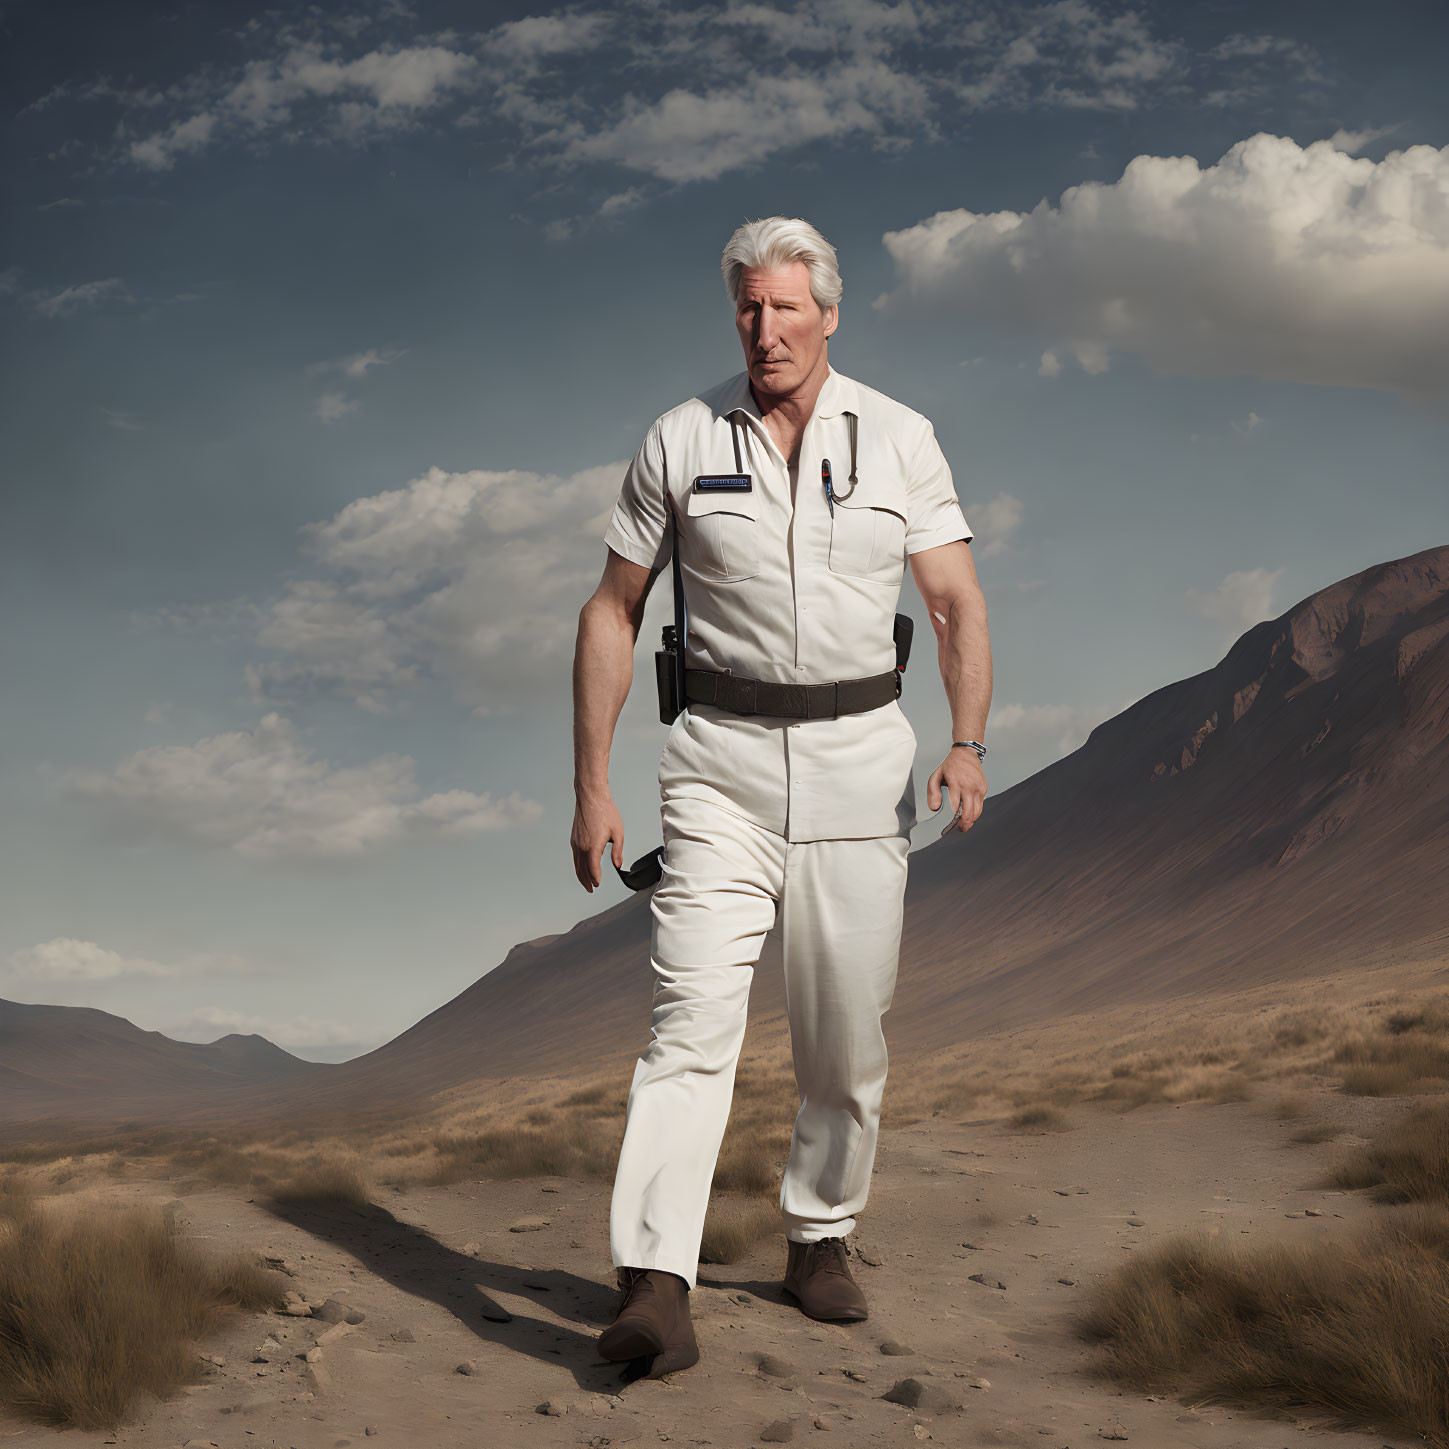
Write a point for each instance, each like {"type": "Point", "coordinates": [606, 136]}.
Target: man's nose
{"type": "Point", "coordinates": [769, 334]}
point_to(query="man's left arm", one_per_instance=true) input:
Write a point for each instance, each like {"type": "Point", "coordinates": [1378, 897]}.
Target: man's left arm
{"type": "Point", "coordinates": [939, 549]}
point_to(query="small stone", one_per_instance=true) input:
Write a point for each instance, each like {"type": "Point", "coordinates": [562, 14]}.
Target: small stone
{"type": "Point", "coordinates": [741, 1298]}
{"type": "Point", "coordinates": [982, 1279]}
{"type": "Point", "coordinates": [1135, 1223]}
{"type": "Point", "coordinates": [980, 1383]}
{"type": "Point", "coordinates": [775, 1367]}
{"type": "Point", "coordinates": [1031, 1218]}
{"type": "Point", "coordinates": [555, 1408]}
{"type": "Point", "coordinates": [855, 1374]}
{"type": "Point", "coordinates": [333, 1310]}
{"type": "Point", "coordinates": [1070, 1282]}
{"type": "Point", "coordinates": [869, 1255]}
{"type": "Point", "coordinates": [369, 1430]}
{"type": "Point", "coordinates": [473, 1250]}
{"type": "Point", "coordinates": [468, 1366]}
{"type": "Point", "coordinates": [402, 1335]}
{"type": "Point", "coordinates": [895, 1348]}
{"type": "Point", "coordinates": [313, 1355]}
{"type": "Point", "coordinates": [781, 1431]}
{"type": "Point", "coordinates": [528, 1225]}
{"type": "Point", "coordinates": [1313, 1212]}
{"type": "Point", "coordinates": [1112, 1431]}
{"type": "Point", "coordinates": [928, 1398]}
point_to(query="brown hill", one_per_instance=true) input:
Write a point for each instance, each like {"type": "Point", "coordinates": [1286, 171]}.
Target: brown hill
{"type": "Point", "coordinates": [77, 1058]}
{"type": "Point", "coordinates": [1282, 814]}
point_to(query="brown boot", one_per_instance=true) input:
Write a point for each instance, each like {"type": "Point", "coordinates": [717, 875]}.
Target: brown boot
{"type": "Point", "coordinates": [653, 1322]}
{"type": "Point", "coordinates": [817, 1278]}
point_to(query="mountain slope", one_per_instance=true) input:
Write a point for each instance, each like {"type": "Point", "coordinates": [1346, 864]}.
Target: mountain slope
{"type": "Point", "coordinates": [1282, 814]}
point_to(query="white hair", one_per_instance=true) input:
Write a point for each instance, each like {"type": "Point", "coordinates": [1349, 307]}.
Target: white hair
{"type": "Point", "coordinates": [776, 241]}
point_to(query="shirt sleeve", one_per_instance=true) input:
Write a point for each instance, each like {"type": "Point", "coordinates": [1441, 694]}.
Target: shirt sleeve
{"type": "Point", "coordinates": [639, 526]}
{"type": "Point", "coordinates": [935, 511]}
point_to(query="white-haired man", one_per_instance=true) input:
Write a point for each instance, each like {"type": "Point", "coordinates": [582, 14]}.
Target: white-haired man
{"type": "Point", "coordinates": [786, 787]}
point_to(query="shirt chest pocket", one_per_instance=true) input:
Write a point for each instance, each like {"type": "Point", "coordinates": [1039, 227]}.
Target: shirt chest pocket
{"type": "Point", "coordinates": [722, 534]}
{"type": "Point", "coordinates": [868, 533]}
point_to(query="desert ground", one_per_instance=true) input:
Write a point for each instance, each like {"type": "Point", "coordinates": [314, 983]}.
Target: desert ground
{"type": "Point", "coordinates": [1012, 1184]}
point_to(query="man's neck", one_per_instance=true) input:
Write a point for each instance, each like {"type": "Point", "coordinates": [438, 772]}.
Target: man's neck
{"type": "Point", "coordinates": [795, 407]}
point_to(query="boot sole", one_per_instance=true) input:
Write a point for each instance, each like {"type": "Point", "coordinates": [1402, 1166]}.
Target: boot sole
{"type": "Point", "coordinates": [824, 1317]}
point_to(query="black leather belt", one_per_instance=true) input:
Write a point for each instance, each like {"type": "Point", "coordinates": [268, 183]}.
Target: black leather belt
{"type": "Point", "coordinates": [796, 701]}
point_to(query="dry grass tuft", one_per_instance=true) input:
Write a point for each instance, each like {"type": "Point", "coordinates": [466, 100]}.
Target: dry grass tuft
{"type": "Point", "coordinates": [328, 1184]}
{"type": "Point", "coordinates": [733, 1225]}
{"type": "Point", "coordinates": [1040, 1117]}
{"type": "Point", "coordinates": [1409, 1163]}
{"type": "Point", "coordinates": [101, 1306]}
{"type": "Point", "coordinates": [1352, 1329]}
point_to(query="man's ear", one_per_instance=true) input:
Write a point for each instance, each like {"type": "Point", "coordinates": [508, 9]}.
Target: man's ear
{"type": "Point", "coordinates": [832, 319]}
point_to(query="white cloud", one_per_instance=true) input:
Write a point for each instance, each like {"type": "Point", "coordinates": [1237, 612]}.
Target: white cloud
{"type": "Point", "coordinates": [1042, 727]}
{"type": "Point", "coordinates": [356, 364]}
{"type": "Point", "coordinates": [381, 90]}
{"type": "Point", "coordinates": [475, 578]}
{"type": "Point", "coordinates": [334, 405]}
{"type": "Point", "coordinates": [210, 1023]}
{"type": "Point", "coordinates": [261, 794]}
{"type": "Point", "coordinates": [1354, 141]}
{"type": "Point", "coordinates": [994, 523]}
{"type": "Point", "coordinates": [699, 136]}
{"type": "Point", "coordinates": [82, 295]}
{"type": "Point", "coordinates": [66, 959]}
{"type": "Point", "coordinates": [682, 93]}
{"type": "Point", "coordinates": [1280, 261]}
{"type": "Point", "coordinates": [1242, 599]}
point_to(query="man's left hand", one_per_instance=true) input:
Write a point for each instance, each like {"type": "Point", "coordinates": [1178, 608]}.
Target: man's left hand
{"type": "Point", "coordinates": [965, 782]}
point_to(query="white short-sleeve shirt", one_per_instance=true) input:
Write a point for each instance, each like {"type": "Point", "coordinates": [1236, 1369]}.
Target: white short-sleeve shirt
{"type": "Point", "coordinates": [779, 589]}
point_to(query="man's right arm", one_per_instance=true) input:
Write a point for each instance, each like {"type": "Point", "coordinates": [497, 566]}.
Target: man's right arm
{"type": "Point", "coordinates": [603, 671]}
{"type": "Point", "coordinates": [639, 548]}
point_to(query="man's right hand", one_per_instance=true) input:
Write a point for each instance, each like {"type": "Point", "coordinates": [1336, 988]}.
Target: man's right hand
{"type": "Point", "coordinates": [596, 822]}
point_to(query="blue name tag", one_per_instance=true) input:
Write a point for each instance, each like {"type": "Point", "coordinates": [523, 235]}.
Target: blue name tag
{"type": "Point", "coordinates": [723, 483]}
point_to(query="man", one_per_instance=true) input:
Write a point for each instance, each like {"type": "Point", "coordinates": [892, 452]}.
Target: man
{"type": "Point", "coordinates": [797, 494]}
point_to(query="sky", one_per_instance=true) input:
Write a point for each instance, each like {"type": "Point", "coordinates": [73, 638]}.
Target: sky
{"type": "Point", "coordinates": [329, 332]}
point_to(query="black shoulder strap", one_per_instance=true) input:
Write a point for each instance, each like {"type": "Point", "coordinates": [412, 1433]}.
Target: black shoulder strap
{"type": "Point", "coordinates": [681, 613]}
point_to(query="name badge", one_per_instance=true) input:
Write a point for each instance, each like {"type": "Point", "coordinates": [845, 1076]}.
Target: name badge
{"type": "Point", "coordinates": [723, 483]}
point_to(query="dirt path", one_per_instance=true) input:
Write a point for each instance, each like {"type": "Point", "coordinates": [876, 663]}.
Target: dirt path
{"type": "Point", "coordinates": [1059, 1207]}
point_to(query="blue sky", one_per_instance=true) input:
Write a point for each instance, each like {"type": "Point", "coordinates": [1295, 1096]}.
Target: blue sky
{"type": "Point", "coordinates": [329, 333]}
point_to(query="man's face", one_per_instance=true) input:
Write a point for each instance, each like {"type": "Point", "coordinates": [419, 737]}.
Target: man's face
{"type": "Point", "coordinates": [781, 329]}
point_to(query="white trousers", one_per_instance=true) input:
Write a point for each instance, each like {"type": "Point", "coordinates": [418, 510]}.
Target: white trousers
{"type": "Point", "coordinates": [839, 905]}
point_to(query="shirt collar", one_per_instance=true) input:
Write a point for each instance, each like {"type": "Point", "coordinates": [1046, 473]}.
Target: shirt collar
{"type": "Point", "coordinates": [838, 394]}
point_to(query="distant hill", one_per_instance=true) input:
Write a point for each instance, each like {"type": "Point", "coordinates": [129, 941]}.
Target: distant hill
{"type": "Point", "coordinates": [1283, 814]}
{"type": "Point", "coordinates": [77, 1058]}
